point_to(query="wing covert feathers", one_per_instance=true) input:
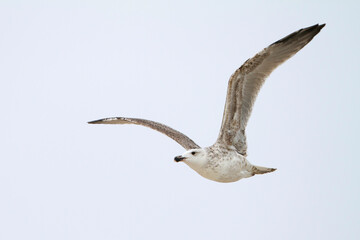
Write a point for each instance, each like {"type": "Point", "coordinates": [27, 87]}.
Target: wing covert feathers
{"type": "Point", "coordinates": [179, 137]}
{"type": "Point", "coordinates": [246, 82]}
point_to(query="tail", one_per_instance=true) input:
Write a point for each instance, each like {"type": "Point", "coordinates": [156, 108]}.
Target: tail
{"type": "Point", "coordinates": [262, 170]}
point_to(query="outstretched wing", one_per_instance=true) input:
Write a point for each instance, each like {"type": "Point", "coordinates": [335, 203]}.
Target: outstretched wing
{"type": "Point", "coordinates": [180, 138]}
{"type": "Point", "coordinates": [246, 82]}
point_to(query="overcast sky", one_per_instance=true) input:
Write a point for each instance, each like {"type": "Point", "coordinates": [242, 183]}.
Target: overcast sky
{"type": "Point", "coordinates": [63, 63]}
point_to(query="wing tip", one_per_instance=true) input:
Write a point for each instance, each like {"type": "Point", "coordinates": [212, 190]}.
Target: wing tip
{"type": "Point", "coordinates": [95, 122]}
{"type": "Point", "coordinates": [318, 27]}
{"type": "Point", "coordinates": [313, 27]}
{"type": "Point", "coordinates": [104, 120]}
{"type": "Point", "coordinates": [314, 30]}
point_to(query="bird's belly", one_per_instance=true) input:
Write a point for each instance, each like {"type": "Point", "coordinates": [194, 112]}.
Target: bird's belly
{"type": "Point", "coordinates": [226, 171]}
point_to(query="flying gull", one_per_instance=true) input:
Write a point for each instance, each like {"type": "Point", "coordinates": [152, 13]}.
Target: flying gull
{"type": "Point", "coordinates": [225, 160]}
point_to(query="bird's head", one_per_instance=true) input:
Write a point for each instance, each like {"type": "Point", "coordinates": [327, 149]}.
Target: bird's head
{"type": "Point", "coordinates": [195, 158]}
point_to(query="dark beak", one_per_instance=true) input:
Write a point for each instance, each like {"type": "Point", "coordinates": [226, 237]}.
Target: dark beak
{"type": "Point", "coordinates": [178, 158]}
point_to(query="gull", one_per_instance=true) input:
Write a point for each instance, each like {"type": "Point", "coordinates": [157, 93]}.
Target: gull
{"type": "Point", "coordinates": [225, 160]}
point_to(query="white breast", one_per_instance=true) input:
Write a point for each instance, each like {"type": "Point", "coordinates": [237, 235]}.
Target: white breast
{"type": "Point", "coordinates": [229, 167]}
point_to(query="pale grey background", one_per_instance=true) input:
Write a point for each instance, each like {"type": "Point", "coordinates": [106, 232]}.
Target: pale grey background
{"type": "Point", "coordinates": [63, 63]}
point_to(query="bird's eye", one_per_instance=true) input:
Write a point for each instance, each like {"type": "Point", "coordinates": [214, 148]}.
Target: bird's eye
{"type": "Point", "coordinates": [193, 153]}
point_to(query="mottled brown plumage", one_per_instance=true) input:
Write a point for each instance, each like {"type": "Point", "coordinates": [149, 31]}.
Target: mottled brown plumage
{"type": "Point", "coordinates": [245, 83]}
{"type": "Point", "coordinates": [179, 137]}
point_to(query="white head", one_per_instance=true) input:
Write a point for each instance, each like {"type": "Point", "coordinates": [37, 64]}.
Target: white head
{"type": "Point", "coordinates": [194, 158]}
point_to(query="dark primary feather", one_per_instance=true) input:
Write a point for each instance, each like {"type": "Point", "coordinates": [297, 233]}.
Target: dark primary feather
{"type": "Point", "coordinates": [246, 82]}
{"type": "Point", "coordinates": [179, 137]}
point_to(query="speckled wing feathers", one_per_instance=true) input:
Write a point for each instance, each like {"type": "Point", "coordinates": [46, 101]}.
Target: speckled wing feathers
{"type": "Point", "coordinates": [179, 137]}
{"type": "Point", "coordinates": [246, 82]}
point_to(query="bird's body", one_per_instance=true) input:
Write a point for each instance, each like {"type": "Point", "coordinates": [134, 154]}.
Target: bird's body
{"type": "Point", "coordinates": [225, 160]}
{"type": "Point", "coordinates": [221, 163]}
